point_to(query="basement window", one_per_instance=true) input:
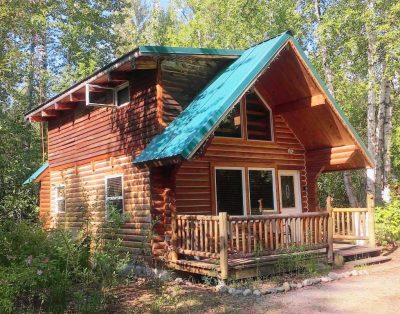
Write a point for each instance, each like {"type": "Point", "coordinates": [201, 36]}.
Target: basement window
{"type": "Point", "coordinates": [231, 125]}
{"type": "Point", "coordinates": [105, 96]}
{"type": "Point", "coordinates": [114, 195]}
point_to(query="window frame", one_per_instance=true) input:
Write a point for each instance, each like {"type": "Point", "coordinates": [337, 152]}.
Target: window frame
{"type": "Point", "coordinates": [242, 169]}
{"type": "Point", "coordinates": [113, 198]}
{"type": "Point", "coordinates": [297, 188]}
{"type": "Point", "coordinates": [274, 191]}
{"type": "Point", "coordinates": [271, 119]}
{"type": "Point", "coordinates": [117, 89]}
{"type": "Point", "coordinates": [114, 90]}
{"type": "Point", "coordinates": [57, 199]}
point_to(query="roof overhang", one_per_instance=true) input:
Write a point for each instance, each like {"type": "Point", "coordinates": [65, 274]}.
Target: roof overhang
{"type": "Point", "coordinates": [310, 97]}
{"type": "Point", "coordinates": [35, 177]}
{"type": "Point", "coordinates": [117, 72]}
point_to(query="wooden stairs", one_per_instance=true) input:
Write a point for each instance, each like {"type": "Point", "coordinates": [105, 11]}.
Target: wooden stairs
{"type": "Point", "coordinates": [358, 255]}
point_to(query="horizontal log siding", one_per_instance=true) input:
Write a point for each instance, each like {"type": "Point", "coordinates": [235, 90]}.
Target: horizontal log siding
{"type": "Point", "coordinates": [86, 133]}
{"type": "Point", "coordinates": [193, 179]}
{"type": "Point", "coordinates": [85, 195]}
{"type": "Point", "coordinates": [44, 200]}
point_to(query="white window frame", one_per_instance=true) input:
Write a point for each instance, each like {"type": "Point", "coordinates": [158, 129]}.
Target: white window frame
{"type": "Point", "coordinates": [273, 186]}
{"type": "Point", "coordinates": [56, 199]}
{"type": "Point", "coordinates": [114, 90]}
{"type": "Point", "coordinates": [242, 169]}
{"type": "Point", "coordinates": [297, 188]}
{"type": "Point", "coordinates": [113, 198]}
{"type": "Point", "coordinates": [271, 119]}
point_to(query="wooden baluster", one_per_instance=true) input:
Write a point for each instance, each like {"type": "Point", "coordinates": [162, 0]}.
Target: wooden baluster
{"type": "Point", "coordinates": [329, 251]}
{"type": "Point", "coordinates": [243, 236]}
{"type": "Point", "coordinates": [260, 235]}
{"type": "Point", "coordinates": [343, 227]}
{"type": "Point", "coordinates": [302, 231]}
{"type": "Point", "coordinates": [249, 235]}
{"type": "Point", "coordinates": [307, 230]}
{"type": "Point", "coordinates": [237, 236]}
{"type": "Point", "coordinates": [271, 236]}
{"type": "Point", "coordinates": [202, 235]}
{"type": "Point", "coordinates": [211, 231]}
{"type": "Point", "coordinates": [223, 244]}
{"type": "Point", "coordinates": [255, 234]}
{"type": "Point", "coordinates": [265, 235]}
{"type": "Point", "coordinates": [277, 236]}
{"type": "Point", "coordinates": [216, 235]}
{"type": "Point", "coordinates": [315, 230]}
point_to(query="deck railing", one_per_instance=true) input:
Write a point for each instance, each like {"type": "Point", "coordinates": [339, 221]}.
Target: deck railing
{"type": "Point", "coordinates": [354, 223]}
{"type": "Point", "coordinates": [223, 236]}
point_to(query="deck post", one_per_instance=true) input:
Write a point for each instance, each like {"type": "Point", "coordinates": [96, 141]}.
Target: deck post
{"type": "Point", "coordinates": [329, 250]}
{"type": "Point", "coordinates": [223, 242]}
{"type": "Point", "coordinates": [371, 219]}
{"type": "Point", "coordinates": [174, 231]}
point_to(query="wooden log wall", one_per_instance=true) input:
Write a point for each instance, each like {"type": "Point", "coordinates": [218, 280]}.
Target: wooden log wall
{"type": "Point", "coordinates": [194, 179]}
{"type": "Point", "coordinates": [85, 198]}
{"type": "Point", "coordinates": [44, 200]}
{"type": "Point", "coordinates": [87, 133]}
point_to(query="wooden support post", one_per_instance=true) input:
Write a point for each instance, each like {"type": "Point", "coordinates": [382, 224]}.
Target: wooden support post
{"type": "Point", "coordinates": [329, 251]}
{"type": "Point", "coordinates": [371, 219]}
{"type": "Point", "coordinates": [223, 243]}
{"type": "Point", "coordinates": [174, 229]}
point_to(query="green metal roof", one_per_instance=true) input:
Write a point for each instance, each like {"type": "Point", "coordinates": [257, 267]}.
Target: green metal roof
{"type": "Point", "coordinates": [37, 173]}
{"type": "Point", "coordinates": [182, 137]}
{"type": "Point", "coordinates": [151, 50]}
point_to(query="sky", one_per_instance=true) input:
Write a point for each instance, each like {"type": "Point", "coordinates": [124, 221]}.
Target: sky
{"type": "Point", "coordinates": [164, 3]}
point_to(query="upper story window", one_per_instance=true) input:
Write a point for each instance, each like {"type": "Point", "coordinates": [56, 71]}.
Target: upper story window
{"type": "Point", "coordinates": [258, 122]}
{"type": "Point", "coordinates": [231, 125]}
{"type": "Point", "coordinates": [60, 199]}
{"type": "Point", "coordinates": [104, 96]}
{"type": "Point", "coordinates": [259, 118]}
{"type": "Point", "coordinates": [114, 194]}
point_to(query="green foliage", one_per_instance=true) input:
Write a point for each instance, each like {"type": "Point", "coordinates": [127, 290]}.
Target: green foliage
{"type": "Point", "coordinates": [387, 222]}
{"type": "Point", "coordinates": [46, 271]}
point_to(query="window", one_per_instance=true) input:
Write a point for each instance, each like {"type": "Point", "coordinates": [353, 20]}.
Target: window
{"type": "Point", "coordinates": [123, 95]}
{"type": "Point", "coordinates": [114, 194]}
{"type": "Point", "coordinates": [262, 190]}
{"type": "Point", "coordinates": [105, 96]}
{"type": "Point", "coordinates": [60, 199]}
{"type": "Point", "coordinates": [231, 125]}
{"type": "Point", "coordinates": [289, 188]}
{"type": "Point", "coordinates": [258, 118]}
{"type": "Point", "coordinates": [229, 190]}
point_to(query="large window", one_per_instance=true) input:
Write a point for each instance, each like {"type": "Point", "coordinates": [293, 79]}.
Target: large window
{"type": "Point", "coordinates": [262, 191]}
{"type": "Point", "coordinates": [229, 190]}
{"type": "Point", "coordinates": [114, 194]}
{"type": "Point", "coordinates": [258, 122]}
{"type": "Point", "coordinates": [231, 125]}
{"type": "Point", "coordinates": [60, 199]}
{"type": "Point", "coordinates": [258, 118]}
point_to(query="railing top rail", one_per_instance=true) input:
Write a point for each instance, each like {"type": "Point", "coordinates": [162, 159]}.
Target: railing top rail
{"type": "Point", "coordinates": [278, 216]}
{"type": "Point", "coordinates": [197, 217]}
{"type": "Point", "coordinates": [349, 210]}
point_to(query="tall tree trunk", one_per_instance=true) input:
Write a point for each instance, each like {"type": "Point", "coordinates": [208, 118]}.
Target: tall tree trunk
{"type": "Point", "coordinates": [347, 179]}
{"type": "Point", "coordinates": [371, 109]}
{"type": "Point", "coordinates": [387, 131]}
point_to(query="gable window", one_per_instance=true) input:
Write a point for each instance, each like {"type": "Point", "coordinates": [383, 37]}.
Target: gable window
{"type": "Point", "coordinates": [105, 96]}
{"type": "Point", "coordinates": [259, 118]}
{"type": "Point", "coordinates": [60, 199]}
{"type": "Point", "coordinates": [229, 190]}
{"type": "Point", "coordinates": [231, 125]}
{"type": "Point", "coordinates": [262, 191]}
{"type": "Point", "coordinates": [114, 194]}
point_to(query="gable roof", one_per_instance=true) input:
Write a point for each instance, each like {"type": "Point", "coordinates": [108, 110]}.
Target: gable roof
{"type": "Point", "coordinates": [182, 137]}
{"type": "Point", "coordinates": [37, 173]}
{"type": "Point", "coordinates": [141, 51]}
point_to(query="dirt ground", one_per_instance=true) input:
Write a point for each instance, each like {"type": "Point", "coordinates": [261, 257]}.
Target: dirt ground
{"type": "Point", "coordinates": [378, 292]}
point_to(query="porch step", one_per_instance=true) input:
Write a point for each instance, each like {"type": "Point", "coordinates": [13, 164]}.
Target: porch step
{"type": "Point", "coordinates": [370, 261]}
{"type": "Point", "coordinates": [354, 253]}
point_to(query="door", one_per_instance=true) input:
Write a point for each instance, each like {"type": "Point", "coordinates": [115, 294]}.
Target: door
{"type": "Point", "coordinates": [290, 199]}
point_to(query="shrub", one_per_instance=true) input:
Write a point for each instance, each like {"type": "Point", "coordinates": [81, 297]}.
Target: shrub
{"type": "Point", "coordinates": [46, 271]}
{"type": "Point", "coordinates": [387, 222]}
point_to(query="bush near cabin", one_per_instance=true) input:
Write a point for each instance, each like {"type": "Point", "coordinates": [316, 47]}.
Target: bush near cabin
{"type": "Point", "coordinates": [53, 271]}
{"type": "Point", "coordinates": [387, 222]}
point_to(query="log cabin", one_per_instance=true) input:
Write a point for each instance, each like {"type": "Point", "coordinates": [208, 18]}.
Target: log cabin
{"type": "Point", "coordinates": [217, 152]}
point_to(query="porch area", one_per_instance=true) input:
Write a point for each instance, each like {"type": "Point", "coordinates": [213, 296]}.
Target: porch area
{"type": "Point", "coordinates": [237, 247]}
